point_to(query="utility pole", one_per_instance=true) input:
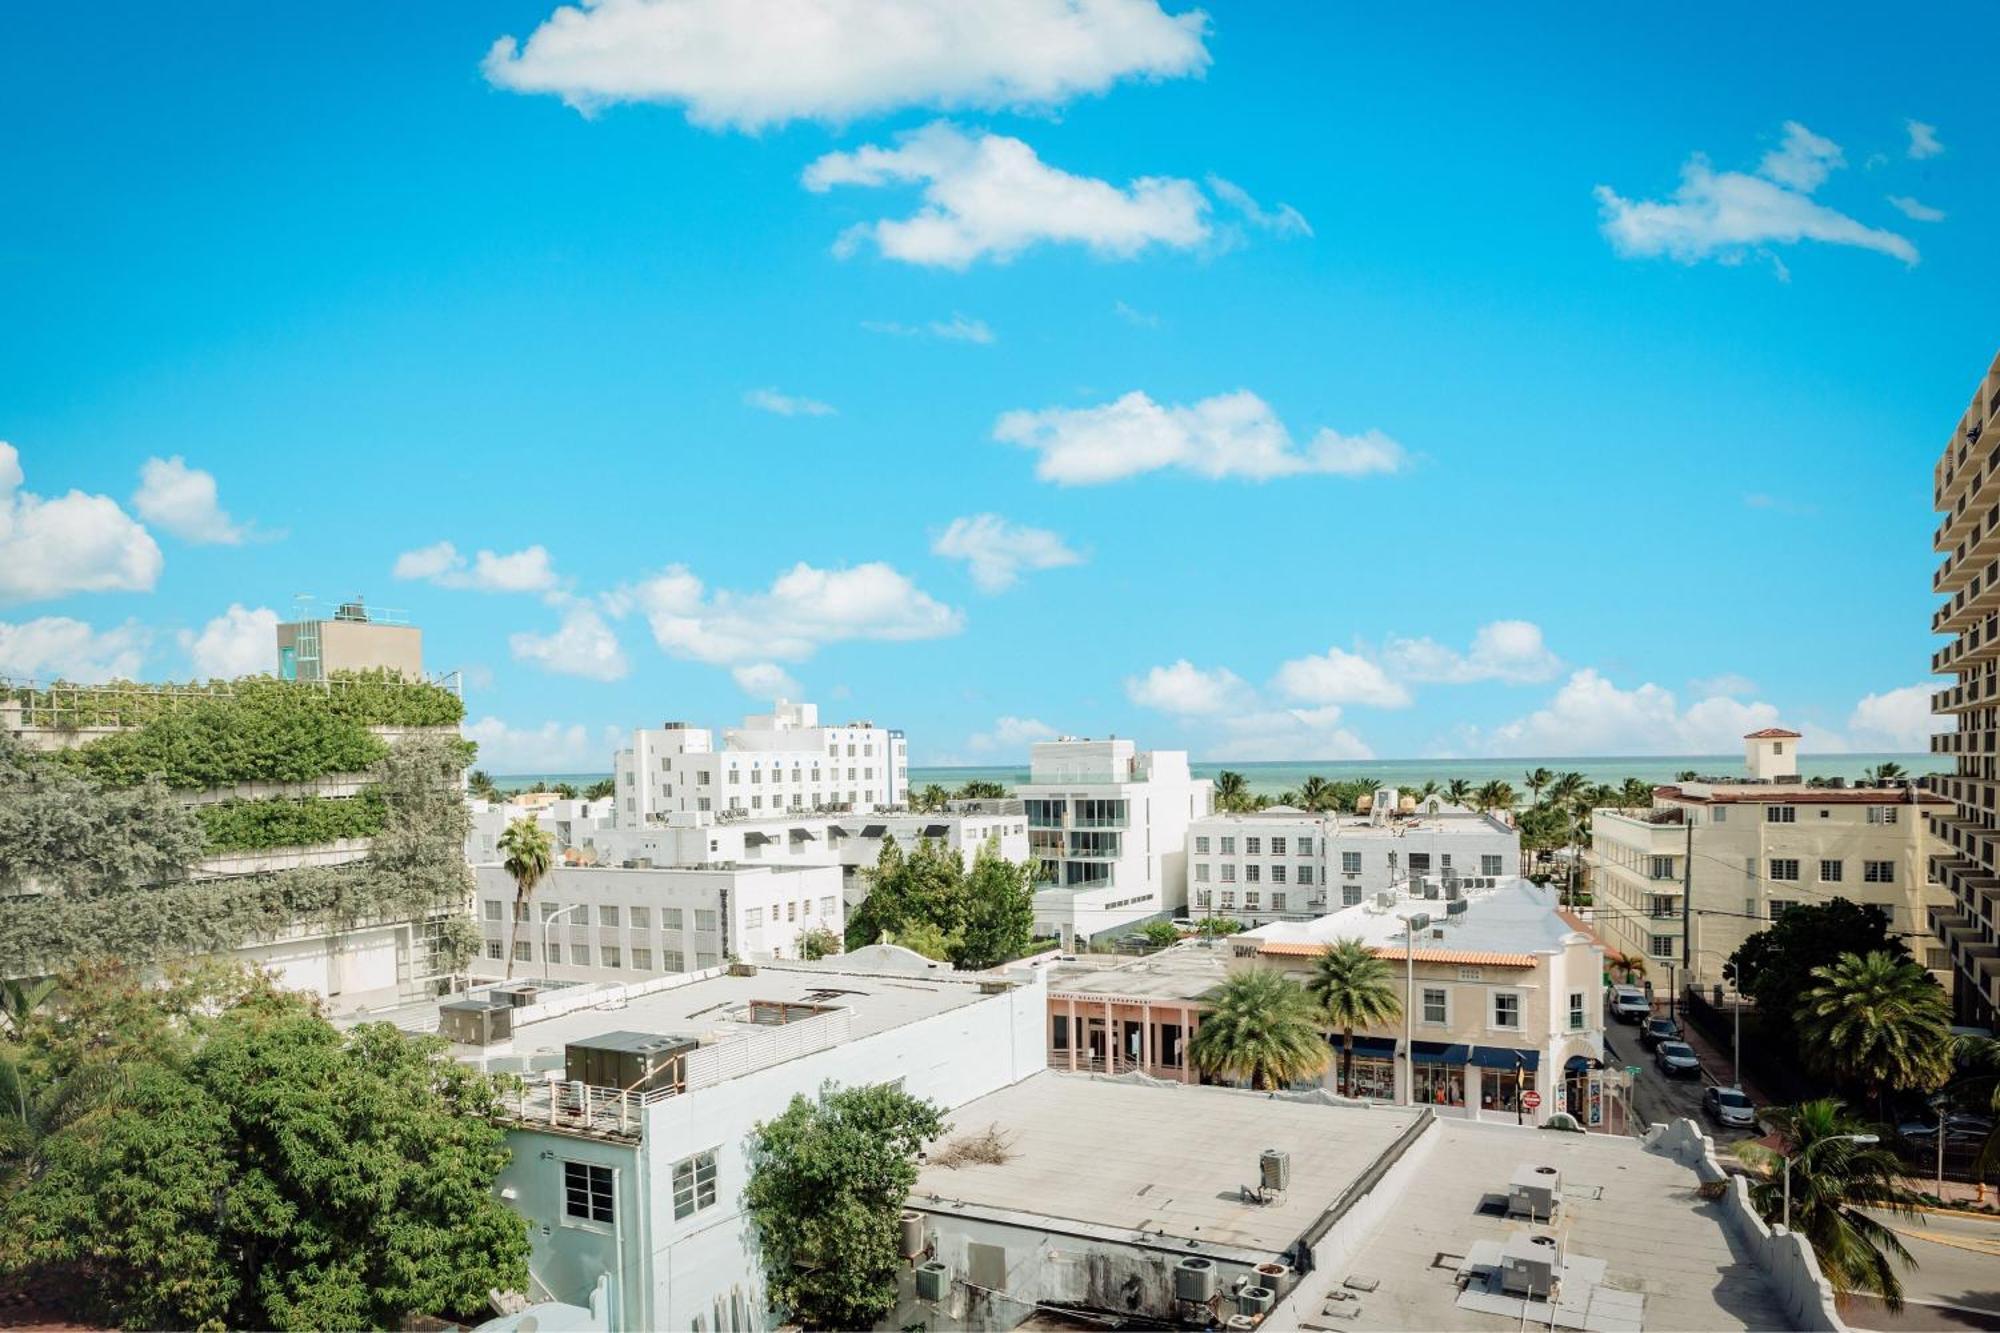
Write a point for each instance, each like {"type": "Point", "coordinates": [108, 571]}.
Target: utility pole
{"type": "Point", "coordinates": [1687, 901]}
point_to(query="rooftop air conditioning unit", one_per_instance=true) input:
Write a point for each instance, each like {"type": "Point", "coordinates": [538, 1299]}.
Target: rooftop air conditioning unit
{"type": "Point", "coordinates": [1427, 888]}
{"type": "Point", "coordinates": [1534, 1190]}
{"type": "Point", "coordinates": [910, 1233]}
{"type": "Point", "coordinates": [1528, 1266]}
{"type": "Point", "coordinates": [1255, 1300]}
{"type": "Point", "coordinates": [1238, 1323]}
{"type": "Point", "coordinates": [1452, 890]}
{"type": "Point", "coordinates": [1274, 1169]}
{"type": "Point", "coordinates": [1195, 1280]}
{"type": "Point", "coordinates": [1385, 900]}
{"type": "Point", "coordinates": [1456, 907]}
{"type": "Point", "coordinates": [933, 1281]}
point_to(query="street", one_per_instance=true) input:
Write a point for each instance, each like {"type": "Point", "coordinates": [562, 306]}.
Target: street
{"type": "Point", "coordinates": [1659, 1099]}
{"type": "Point", "coordinates": [1956, 1283]}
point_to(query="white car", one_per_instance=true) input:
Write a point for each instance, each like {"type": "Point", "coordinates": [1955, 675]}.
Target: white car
{"type": "Point", "coordinates": [1629, 1004]}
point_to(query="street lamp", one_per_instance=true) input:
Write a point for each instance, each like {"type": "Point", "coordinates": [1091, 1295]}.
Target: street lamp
{"type": "Point", "coordinates": [1834, 1138]}
{"type": "Point", "coordinates": [1412, 923]}
{"type": "Point", "coordinates": [548, 921]}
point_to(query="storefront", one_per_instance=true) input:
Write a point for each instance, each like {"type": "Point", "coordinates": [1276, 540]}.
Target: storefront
{"type": "Point", "coordinates": [1438, 1073]}
{"type": "Point", "coordinates": [1373, 1076]}
{"type": "Point", "coordinates": [1504, 1074]}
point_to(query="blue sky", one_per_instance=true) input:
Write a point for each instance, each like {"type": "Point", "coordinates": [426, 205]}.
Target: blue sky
{"type": "Point", "coordinates": [1280, 382]}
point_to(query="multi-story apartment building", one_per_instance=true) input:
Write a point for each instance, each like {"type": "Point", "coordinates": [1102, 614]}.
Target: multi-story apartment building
{"type": "Point", "coordinates": [1743, 851]}
{"type": "Point", "coordinates": [783, 760]}
{"type": "Point", "coordinates": [1281, 863]}
{"type": "Point", "coordinates": [1107, 825]}
{"type": "Point", "coordinates": [613, 923]}
{"type": "Point", "coordinates": [1966, 490]}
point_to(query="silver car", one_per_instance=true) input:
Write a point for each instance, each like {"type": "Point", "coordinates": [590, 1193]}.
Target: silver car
{"type": "Point", "coordinates": [1677, 1059]}
{"type": "Point", "coordinates": [1731, 1107]}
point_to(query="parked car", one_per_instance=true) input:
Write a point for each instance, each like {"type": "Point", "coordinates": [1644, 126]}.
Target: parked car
{"type": "Point", "coordinates": [1677, 1059]}
{"type": "Point", "coordinates": [1629, 1004]}
{"type": "Point", "coordinates": [1729, 1106]}
{"type": "Point", "coordinates": [1657, 1030]}
{"type": "Point", "coordinates": [1958, 1125]}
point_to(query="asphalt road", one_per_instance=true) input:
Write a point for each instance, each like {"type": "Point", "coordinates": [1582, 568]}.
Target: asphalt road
{"type": "Point", "coordinates": [1956, 1283]}
{"type": "Point", "coordinates": [1657, 1097]}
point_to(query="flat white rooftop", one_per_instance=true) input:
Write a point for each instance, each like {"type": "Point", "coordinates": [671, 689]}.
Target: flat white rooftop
{"type": "Point", "coordinates": [1515, 916]}
{"type": "Point", "coordinates": [1186, 971]}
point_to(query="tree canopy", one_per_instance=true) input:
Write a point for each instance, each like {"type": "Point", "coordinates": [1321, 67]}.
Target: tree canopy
{"type": "Point", "coordinates": [1260, 1028]}
{"type": "Point", "coordinates": [928, 901]}
{"type": "Point", "coordinates": [1774, 966]}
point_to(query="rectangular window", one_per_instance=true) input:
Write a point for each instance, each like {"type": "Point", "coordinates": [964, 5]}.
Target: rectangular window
{"type": "Point", "coordinates": [1490, 865]}
{"type": "Point", "coordinates": [1830, 872]}
{"type": "Point", "coordinates": [586, 1192]}
{"type": "Point", "coordinates": [552, 952]}
{"type": "Point", "coordinates": [791, 912]}
{"type": "Point", "coordinates": [1578, 1013]}
{"type": "Point", "coordinates": [1277, 902]}
{"type": "Point", "coordinates": [1252, 899]}
{"type": "Point", "coordinates": [1277, 846]}
{"type": "Point", "coordinates": [1781, 814]}
{"type": "Point", "coordinates": [1305, 846]}
{"type": "Point", "coordinates": [1662, 867]}
{"type": "Point", "coordinates": [1878, 872]}
{"type": "Point", "coordinates": [493, 949]}
{"type": "Point", "coordinates": [694, 1184]}
{"type": "Point", "coordinates": [1780, 906]}
{"type": "Point", "coordinates": [579, 954]}
{"type": "Point", "coordinates": [704, 960]}
{"type": "Point", "coordinates": [1253, 846]}
{"type": "Point", "coordinates": [1437, 1005]}
{"type": "Point", "coordinates": [1201, 846]}
{"type": "Point", "coordinates": [551, 910]}
{"type": "Point", "coordinates": [753, 917]}
{"type": "Point", "coordinates": [1785, 868]}
{"type": "Point", "coordinates": [493, 909]}
{"type": "Point", "coordinates": [1201, 897]}
{"type": "Point", "coordinates": [613, 956]}
{"type": "Point", "coordinates": [670, 918]}
{"type": "Point", "coordinates": [1721, 815]}
{"type": "Point", "coordinates": [1228, 873]}
{"type": "Point", "coordinates": [607, 916]}
{"type": "Point", "coordinates": [826, 907]}
{"type": "Point", "coordinates": [671, 961]}
{"type": "Point", "coordinates": [1229, 846]}
{"type": "Point", "coordinates": [1662, 946]}
{"type": "Point", "coordinates": [704, 918]}
{"type": "Point", "coordinates": [1277, 874]}
{"type": "Point", "coordinates": [1506, 1009]}
{"type": "Point", "coordinates": [1201, 872]}
{"type": "Point", "coordinates": [642, 918]}
{"type": "Point", "coordinates": [521, 948]}
{"type": "Point", "coordinates": [1228, 899]}
{"type": "Point", "coordinates": [1252, 873]}
{"type": "Point", "coordinates": [1305, 874]}
{"type": "Point", "coordinates": [1350, 863]}
{"type": "Point", "coordinates": [642, 960]}
{"type": "Point", "coordinates": [1350, 895]}
{"type": "Point", "coordinates": [1881, 814]}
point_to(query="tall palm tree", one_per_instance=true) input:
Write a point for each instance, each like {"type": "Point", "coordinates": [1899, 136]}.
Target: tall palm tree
{"type": "Point", "coordinates": [525, 853]}
{"type": "Point", "coordinates": [1636, 792]}
{"type": "Point", "coordinates": [1877, 1020]}
{"type": "Point", "coordinates": [1316, 793]}
{"type": "Point", "coordinates": [1627, 966]}
{"type": "Point", "coordinates": [1686, 775]}
{"type": "Point", "coordinates": [1232, 790]}
{"type": "Point", "coordinates": [1537, 779]}
{"type": "Point", "coordinates": [1289, 796]}
{"type": "Point", "coordinates": [1353, 988]}
{"type": "Point", "coordinates": [1568, 785]}
{"type": "Point", "coordinates": [1428, 790]}
{"type": "Point", "coordinates": [1833, 1180]}
{"type": "Point", "coordinates": [1888, 772]}
{"type": "Point", "coordinates": [1494, 795]}
{"type": "Point", "coordinates": [1458, 791]}
{"type": "Point", "coordinates": [1260, 1027]}
{"type": "Point", "coordinates": [931, 797]}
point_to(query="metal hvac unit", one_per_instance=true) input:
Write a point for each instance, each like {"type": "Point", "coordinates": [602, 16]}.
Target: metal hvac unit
{"type": "Point", "coordinates": [1453, 891]}
{"type": "Point", "coordinates": [1457, 907]}
{"type": "Point", "coordinates": [479, 1020]}
{"type": "Point", "coordinates": [520, 993]}
{"type": "Point", "coordinates": [1534, 1190]}
{"type": "Point", "coordinates": [1255, 1300]}
{"type": "Point", "coordinates": [1237, 1323]}
{"type": "Point", "coordinates": [910, 1233]}
{"type": "Point", "coordinates": [1528, 1266]}
{"type": "Point", "coordinates": [933, 1281]}
{"type": "Point", "coordinates": [631, 1061]}
{"type": "Point", "coordinates": [1194, 1280]}
{"type": "Point", "coordinates": [1274, 1169]}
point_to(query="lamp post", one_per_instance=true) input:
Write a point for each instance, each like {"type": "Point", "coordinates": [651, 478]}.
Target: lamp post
{"type": "Point", "coordinates": [548, 921]}
{"type": "Point", "coordinates": [1940, 1103]}
{"type": "Point", "coordinates": [1412, 923]}
{"type": "Point", "coordinates": [1836, 1138]}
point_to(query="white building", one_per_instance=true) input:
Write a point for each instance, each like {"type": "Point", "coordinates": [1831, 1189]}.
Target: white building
{"type": "Point", "coordinates": [1107, 823]}
{"type": "Point", "coordinates": [633, 1194]}
{"type": "Point", "coordinates": [1281, 863]}
{"type": "Point", "coordinates": [611, 923]}
{"type": "Point", "coordinates": [783, 760]}
{"type": "Point", "coordinates": [567, 821]}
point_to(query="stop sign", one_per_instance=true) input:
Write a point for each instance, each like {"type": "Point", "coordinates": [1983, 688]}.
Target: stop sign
{"type": "Point", "coordinates": [1531, 1099]}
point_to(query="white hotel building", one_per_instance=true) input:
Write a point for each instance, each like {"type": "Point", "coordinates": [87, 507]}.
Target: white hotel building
{"type": "Point", "coordinates": [783, 760]}
{"type": "Point", "coordinates": [1107, 823]}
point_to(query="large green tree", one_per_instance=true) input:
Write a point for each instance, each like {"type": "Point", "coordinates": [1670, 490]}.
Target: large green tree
{"type": "Point", "coordinates": [999, 911]}
{"type": "Point", "coordinates": [1774, 966]}
{"type": "Point", "coordinates": [925, 887]}
{"type": "Point", "coordinates": [1878, 1021]}
{"type": "Point", "coordinates": [828, 1179]}
{"type": "Point", "coordinates": [1353, 988]}
{"type": "Point", "coordinates": [1262, 1028]}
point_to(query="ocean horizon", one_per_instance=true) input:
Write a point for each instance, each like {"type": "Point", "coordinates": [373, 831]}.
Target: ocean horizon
{"type": "Point", "coordinates": [1270, 777]}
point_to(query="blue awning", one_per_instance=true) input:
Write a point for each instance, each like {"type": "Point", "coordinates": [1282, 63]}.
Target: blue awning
{"type": "Point", "coordinates": [1577, 1064]}
{"type": "Point", "coordinates": [1439, 1053]}
{"type": "Point", "coordinates": [1380, 1048]}
{"type": "Point", "coordinates": [1505, 1057]}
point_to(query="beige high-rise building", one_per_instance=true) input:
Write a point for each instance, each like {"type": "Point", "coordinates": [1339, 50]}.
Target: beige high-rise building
{"type": "Point", "coordinates": [1745, 850]}
{"type": "Point", "coordinates": [1966, 490]}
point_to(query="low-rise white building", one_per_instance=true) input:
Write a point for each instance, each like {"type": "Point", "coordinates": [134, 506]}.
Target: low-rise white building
{"type": "Point", "coordinates": [784, 760]}
{"type": "Point", "coordinates": [1107, 825]}
{"type": "Point", "coordinates": [567, 821]}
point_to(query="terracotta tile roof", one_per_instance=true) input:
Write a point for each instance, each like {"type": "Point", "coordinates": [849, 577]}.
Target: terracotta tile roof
{"type": "Point", "coordinates": [1772, 734]}
{"type": "Point", "coordinates": [1466, 957]}
{"type": "Point", "coordinates": [1747, 795]}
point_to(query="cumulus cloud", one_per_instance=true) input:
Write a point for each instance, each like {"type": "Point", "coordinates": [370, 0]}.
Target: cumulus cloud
{"type": "Point", "coordinates": [1012, 735]}
{"type": "Point", "coordinates": [553, 747]}
{"type": "Point", "coordinates": [765, 680]}
{"type": "Point", "coordinates": [182, 500]}
{"type": "Point", "coordinates": [1339, 677]}
{"type": "Point", "coordinates": [1229, 435]}
{"type": "Point", "coordinates": [997, 551]}
{"type": "Point", "coordinates": [1899, 720]}
{"type": "Point", "coordinates": [239, 642]}
{"type": "Point", "coordinates": [1726, 683]}
{"type": "Point", "coordinates": [1188, 690]}
{"type": "Point", "coordinates": [1284, 220]}
{"type": "Point", "coordinates": [1505, 650]}
{"type": "Point", "coordinates": [1231, 719]}
{"type": "Point", "coordinates": [1286, 734]}
{"type": "Point", "coordinates": [957, 329]}
{"type": "Point", "coordinates": [1914, 210]}
{"type": "Point", "coordinates": [748, 64]}
{"type": "Point", "coordinates": [70, 544]}
{"type": "Point", "coordinates": [1591, 715]}
{"type": "Point", "coordinates": [787, 405]}
{"type": "Point", "coordinates": [59, 648]}
{"type": "Point", "coordinates": [1923, 139]}
{"type": "Point", "coordinates": [1729, 215]}
{"type": "Point", "coordinates": [803, 609]}
{"type": "Point", "coordinates": [582, 646]}
{"type": "Point", "coordinates": [527, 570]}
{"type": "Point", "coordinates": [987, 196]}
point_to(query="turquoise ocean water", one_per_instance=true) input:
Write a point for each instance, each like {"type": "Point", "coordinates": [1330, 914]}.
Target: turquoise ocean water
{"type": "Point", "coordinates": [1272, 778]}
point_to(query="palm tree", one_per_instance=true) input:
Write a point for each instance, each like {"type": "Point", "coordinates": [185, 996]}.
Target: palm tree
{"type": "Point", "coordinates": [1458, 791]}
{"type": "Point", "coordinates": [1260, 1027]}
{"type": "Point", "coordinates": [1428, 790]}
{"type": "Point", "coordinates": [1354, 989]}
{"type": "Point", "coordinates": [1567, 787]}
{"type": "Point", "coordinates": [480, 784]}
{"type": "Point", "coordinates": [1232, 790]}
{"type": "Point", "coordinates": [1636, 792]}
{"type": "Point", "coordinates": [1495, 795]}
{"type": "Point", "coordinates": [526, 851]}
{"type": "Point", "coordinates": [1886, 773]}
{"type": "Point", "coordinates": [1288, 797]}
{"type": "Point", "coordinates": [930, 797]}
{"type": "Point", "coordinates": [1833, 1180]}
{"type": "Point", "coordinates": [1877, 1020]}
{"type": "Point", "coordinates": [20, 999]}
{"type": "Point", "coordinates": [1537, 779]}
{"type": "Point", "coordinates": [31, 1116]}
{"type": "Point", "coordinates": [1686, 775]}
{"type": "Point", "coordinates": [1630, 966]}
{"type": "Point", "coordinates": [1316, 793]}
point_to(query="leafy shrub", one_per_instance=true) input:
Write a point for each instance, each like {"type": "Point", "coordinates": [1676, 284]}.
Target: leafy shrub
{"type": "Point", "coordinates": [238, 826]}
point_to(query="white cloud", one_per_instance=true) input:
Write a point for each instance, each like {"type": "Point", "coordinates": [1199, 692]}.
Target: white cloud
{"type": "Point", "coordinates": [1137, 318]}
{"type": "Point", "coordinates": [1726, 683]}
{"type": "Point", "coordinates": [1286, 734]}
{"type": "Point", "coordinates": [1591, 715]}
{"type": "Point", "coordinates": [1731, 214]}
{"type": "Point", "coordinates": [1284, 220]}
{"type": "Point", "coordinates": [1506, 650]}
{"type": "Point", "coordinates": [239, 642]}
{"type": "Point", "coordinates": [182, 500]}
{"type": "Point", "coordinates": [1915, 210]}
{"type": "Point", "coordinates": [1012, 735]}
{"type": "Point", "coordinates": [1186, 689]}
{"type": "Point", "coordinates": [958, 329]}
{"type": "Point", "coordinates": [1339, 677]}
{"type": "Point", "coordinates": [72, 543]}
{"type": "Point", "coordinates": [552, 747]}
{"type": "Point", "coordinates": [804, 609]}
{"type": "Point", "coordinates": [787, 405]}
{"type": "Point", "coordinates": [746, 64]}
{"type": "Point", "coordinates": [1899, 720]}
{"type": "Point", "coordinates": [1229, 435]}
{"type": "Point", "coordinates": [59, 648]}
{"type": "Point", "coordinates": [997, 551]}
{"type": "Point", "coordinates": [765, 680]}
{"type": "Point", "coordinates": [1923, 139]}
{"type": "Point", "coordinates": [987, 196]}
{"type": "Point", "coordinates": [527, 570]}
{"type": "Point", "coordinates": [582, 646]}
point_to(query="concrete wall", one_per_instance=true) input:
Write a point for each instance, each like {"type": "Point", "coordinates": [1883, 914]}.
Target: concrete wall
{"type": "Point", "coordinates": [1787, 1260]}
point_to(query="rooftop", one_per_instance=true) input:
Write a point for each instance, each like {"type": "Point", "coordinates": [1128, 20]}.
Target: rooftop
{"type": "Point", "coordinates": [1772, 734]}
{"type": "Point", "coordinates": [1737, 793]}
{"type": "Point", "coordinates": [1506, 924]}
{"type": "Point", "coordinates": [1118, 1155]}
{"type": "Point", "coordinates": [1185, 971]}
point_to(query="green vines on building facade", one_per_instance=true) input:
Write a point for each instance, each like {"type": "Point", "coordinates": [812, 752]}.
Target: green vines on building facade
{"type": "Point", "coordinates": [377, 698]}
{"type": "Point", "coordinates": [254, 826]}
